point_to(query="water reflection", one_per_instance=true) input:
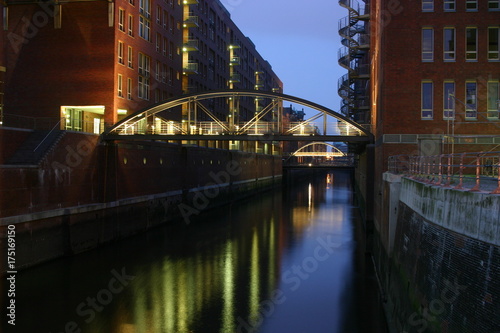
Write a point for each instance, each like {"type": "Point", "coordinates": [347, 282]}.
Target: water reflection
{"type": "Point", "coordinates": [279, 262]}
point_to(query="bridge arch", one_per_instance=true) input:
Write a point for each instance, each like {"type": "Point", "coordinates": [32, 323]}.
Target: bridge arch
{"type": "Point", "coordinates": [127, 122]}
{"type": "Point", "coordinates": [318, 143]}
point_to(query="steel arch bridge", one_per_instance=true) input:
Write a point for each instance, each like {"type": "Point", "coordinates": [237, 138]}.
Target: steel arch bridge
{"type": "Point", "coordinates": [267, 123]}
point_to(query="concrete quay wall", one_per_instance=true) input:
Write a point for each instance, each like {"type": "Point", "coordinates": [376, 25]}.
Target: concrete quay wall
{"type": "Point", "coordinates": [438, 258]}
{"type": "Point", "coordinates": [85, 194]}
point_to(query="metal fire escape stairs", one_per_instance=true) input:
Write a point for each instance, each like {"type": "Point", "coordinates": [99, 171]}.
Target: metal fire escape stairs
{"type": "Point", "coordinates": [353, 30]}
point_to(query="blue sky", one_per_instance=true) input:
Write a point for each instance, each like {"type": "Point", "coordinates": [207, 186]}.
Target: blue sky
{"type": "Point", "coordinates": [299, 39]}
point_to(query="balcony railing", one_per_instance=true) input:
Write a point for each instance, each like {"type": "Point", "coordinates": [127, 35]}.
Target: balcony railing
{"type": "Point", "coordinates": [190, 45]}
{"type": "Point", "coordinates": [190, 68]}
{"type": "Point", "coordinates": [476, 171]}
{"type": "Point", "coordinates": [190, 22]}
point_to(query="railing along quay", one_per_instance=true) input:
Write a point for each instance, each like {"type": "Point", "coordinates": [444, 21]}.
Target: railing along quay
{"type": "Point", "coordinates": [472, 171]}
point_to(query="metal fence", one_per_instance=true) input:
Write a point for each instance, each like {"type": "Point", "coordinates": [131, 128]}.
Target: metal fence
{"type": "Point", "coordinates": [473, 171]}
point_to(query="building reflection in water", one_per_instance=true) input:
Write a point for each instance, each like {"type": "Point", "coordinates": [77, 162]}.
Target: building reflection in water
{"type": "Point", "coordinates": [210, 276]}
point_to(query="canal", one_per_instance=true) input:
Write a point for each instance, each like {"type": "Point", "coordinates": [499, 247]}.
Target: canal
{"type": "Point", "coordinates": [290, 260]}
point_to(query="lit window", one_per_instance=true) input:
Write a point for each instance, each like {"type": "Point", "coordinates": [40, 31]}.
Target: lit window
{"type": "Point", "coordinates": [448, 99]}
{"type": "Point", "coordinates": [471, 5]}
{"type": "Point", "coordinates": [131, 25]}
{"type": "Point", "coordinates": [470, 100]}
{"type": "Point", "coordinates": [493, 100]}
{"type": "Point", "coordinates": [130, 57]}
{"type": "Point", "coordinates": [427, 44]}
{"type": "Point", "coordinates": [493, 42]}
{"type": "Point", "coordinates": [121, 19]}
{"type": "Point", "coordinates": [493, 5]}
{"type": "Point", "coordinates": [449, 44]}
{"type": "Point", "coordinates": [471, 43]}
{"type": "Point", "coordinates": [449, 5]}
{"type": "Point", "coordinates": [427, 100]}
{"type": "Point", "coordinates": [120, 85]}
{"type": "Point", "coordinates": [120, 53]}
{"type": "Point", "coordinates": [427, 5]}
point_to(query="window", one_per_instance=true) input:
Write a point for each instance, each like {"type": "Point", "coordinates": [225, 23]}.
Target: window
{"type": "Point", "coordinates": [144, 8]}
{"type": "Point", "coordinates": [130, 57]}
{"type": "Point", "coordinates": [159, 13]}
{"type": "Point", "coordinates": [171, 50]}
{"type": "Point", "coordinates": [493, 42]}
{"type": "Point", "coordinates": [427, 100]}
{"type": "Point", "coordinates": [471, 43]}
{"type": "Point", "coordinates": [449, 5]}
{"type": "Point", "coordinates": [145, 28]}
{"type": "Point", "coordinates": [427, 44]}
{"type": "Point", "coordinates": [121, 19]}
{"type": "Point", "coordinates": [129, 88]}
{"type": "Point", "coordinates": [448, 99]}
{"type": "Point", "coordinates": [131, 2]}
{"type": "Point", "coordinates": [164, 73]}
{"type": "Point", "coordinates": [164, 47]}
{"type": "Point", "coordinates": [120, 53]}
{"type": "Point", "coordinates": [493, 100]}
{"type": "Point", "coordinates": [131, 26]}
{"type": "Point", "coordinates": [144, 70]}
{"type": "Point", "coordinates": [157, 71]}
{"type": "Point", "coordinates": [470, 100]}
{"type": "Point", "coordinates": [471, 5]}
{"type": "Point", "coordinates": [493, 5]}
{"type": "Point", "coordinates": [158, 42]}
{"type": "Point", "coordinates": [120, 85]}
{"type": "Point", "coordinates": [449, 44]}
{"type": "Point", "coordinates": [427, 5]}
{"type": "Point", "coordinates": [165, 19]}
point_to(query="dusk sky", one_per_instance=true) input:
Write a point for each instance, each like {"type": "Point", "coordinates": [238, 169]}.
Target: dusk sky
{"type": "Point", "coordinates": [299, 39]}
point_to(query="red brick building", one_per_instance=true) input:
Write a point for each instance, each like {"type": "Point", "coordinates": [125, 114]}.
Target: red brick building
{"type": "Point", "coordinates": [91, 63]}
{"type": "Point", "coordinates": [435, 76]}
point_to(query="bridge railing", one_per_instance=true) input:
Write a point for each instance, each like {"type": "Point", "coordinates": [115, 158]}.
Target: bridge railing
{"type": "Point", "coordinates": [473, 171]}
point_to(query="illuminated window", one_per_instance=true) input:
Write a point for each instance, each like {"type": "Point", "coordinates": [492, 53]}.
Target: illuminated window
{"type": "Point", "coordinates": [449, 44]}
{"type": "Point", "coordinates": [427, 44]}
{"type": "Point", "coordinates": [448, 99]}
{"type": "Point", "coordinates": [470, 100]}
{"type": "Point", "coordinates": [427, 100]}
{"type": "Point", "coordinates": [471, 43]}
{"type": "Point", "coordinates": [493, 100]}
{"type": "Point", "coordinates": [427, 5]}
{"type": "Point", "coordinates": [493, 42]}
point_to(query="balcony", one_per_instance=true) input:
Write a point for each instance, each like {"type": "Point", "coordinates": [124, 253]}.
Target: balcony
{"type": "Point", "coordinates": [190, 45]}
{"type": "Point", "coordinates": [190, 2]}
{"type": "Point", "coordinates": [234, 61]}
{"type": "Point", "coordinates": [235, 78]}
{"type": "Point", "coordinates": [190, 68]}
{"type": "Point", "coordinates": [233, 46]}
{"type": "Point", "coordinates": [190, 22]}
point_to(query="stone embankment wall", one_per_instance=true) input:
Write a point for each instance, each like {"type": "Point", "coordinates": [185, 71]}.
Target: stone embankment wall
{"type": "Point", "coordinates": [85, 193]}
{"type": "Point", "coordinates": [439, 258]}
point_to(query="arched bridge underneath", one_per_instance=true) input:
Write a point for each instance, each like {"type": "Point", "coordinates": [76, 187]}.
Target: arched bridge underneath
{"type": "Point", "coordinates": [237, 115]}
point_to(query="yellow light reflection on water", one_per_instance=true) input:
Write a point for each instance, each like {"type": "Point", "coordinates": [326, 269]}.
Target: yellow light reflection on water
{"type": "Point", "coordinates": [254, 279]}
{"type": "Point", "coordinates": [228, 291]}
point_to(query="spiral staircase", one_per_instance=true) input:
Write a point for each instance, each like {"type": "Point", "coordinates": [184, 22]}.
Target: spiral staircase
{"type": "Point", "coordinates": [354, 56]}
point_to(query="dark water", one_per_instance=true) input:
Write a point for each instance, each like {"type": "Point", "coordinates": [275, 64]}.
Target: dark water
{"type": "Point", "coordinates": [287, 261]}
